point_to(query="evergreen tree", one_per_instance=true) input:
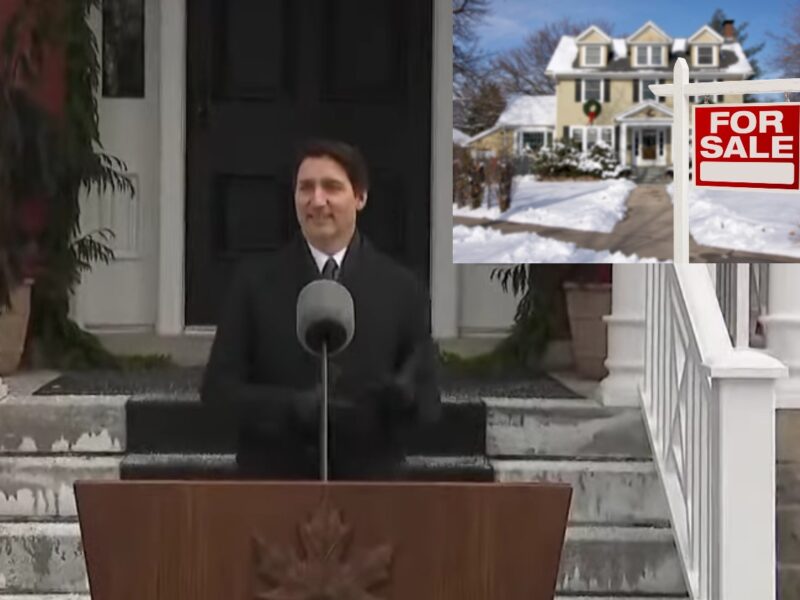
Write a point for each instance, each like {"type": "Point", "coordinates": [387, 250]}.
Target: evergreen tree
{"type": "Point", "coordinates": [716, 22]}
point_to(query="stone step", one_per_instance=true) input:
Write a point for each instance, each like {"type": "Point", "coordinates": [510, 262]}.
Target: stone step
{"type": "Point", "coordinates": [223, 466]}
{"type": "Point", "coordinates": [41, 486]}
{"type": "Point", "coordinates": [180, 423]}
{"type": "Point", "coordinates": [46, 558]}
{"type": "Point", "coordinates": [615, 492]}
{"type": "Point", "coordinates": [564, 428]}
{"type": "Point", "coordinates": [62, 424]}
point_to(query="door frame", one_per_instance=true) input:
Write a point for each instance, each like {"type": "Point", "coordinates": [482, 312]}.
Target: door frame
{"type": "Point", "coordinates": [172, 190]}
{"type": "Point", "coordinates": [661, 155]}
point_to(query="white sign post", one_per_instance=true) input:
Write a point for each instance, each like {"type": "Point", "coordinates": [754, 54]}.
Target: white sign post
{"type": "Point", "coordinates": [681, 90]}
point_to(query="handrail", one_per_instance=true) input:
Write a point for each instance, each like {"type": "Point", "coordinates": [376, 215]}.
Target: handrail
{"type": "Point", "coordinates": [709, 410]}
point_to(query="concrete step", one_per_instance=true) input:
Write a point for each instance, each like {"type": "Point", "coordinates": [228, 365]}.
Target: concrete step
{"type": "Point", "coordinates": [615, 492]}
{"type": "Point", "coordinates": [788, 534]}
{"type": "Point", "coordinates": [41, 486]}
{"type": "Point", "coordinates": [46, 558]}
{"type": "Point", "coordinates": [180, 423]}
{"type": "Point", "coordinates": [564, 428]}
{"type": "Point", "coordinates": [61, 424]}
{"type": "Point", "coordinates": [223, 466]}
{"type": "Point", "coordinates": [789, 582]}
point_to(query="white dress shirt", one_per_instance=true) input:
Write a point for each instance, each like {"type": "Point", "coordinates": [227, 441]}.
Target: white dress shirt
{"type": "Point", "coordinates": [321, 257]}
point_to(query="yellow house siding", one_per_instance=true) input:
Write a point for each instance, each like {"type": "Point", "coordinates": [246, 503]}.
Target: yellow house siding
{"type": "Point", "coordinates": [593, 38]}
{"type": "Point", "coordinates": [705, 38]}
{"type": "Point", "coordinates": [497, 141]}
{"type": "Point", "coordinates": [650, 35]}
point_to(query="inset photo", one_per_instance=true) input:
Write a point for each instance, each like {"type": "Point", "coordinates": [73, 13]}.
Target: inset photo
{"type": "Point", "coordinates": [573, 143]}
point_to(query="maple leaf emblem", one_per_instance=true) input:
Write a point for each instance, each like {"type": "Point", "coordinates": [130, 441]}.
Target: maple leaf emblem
{"type": "Point", "coordinates": [323, 572]}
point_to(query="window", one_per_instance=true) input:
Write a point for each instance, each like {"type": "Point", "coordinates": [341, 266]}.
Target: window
{"type": "Point", "coordinates": [594, 55]}
{"type": "Point", "coordinates": [123, 49]}
{"type": "Point", "coordinates": [649, 56]}
{"type": "Point", "coordinates": [593, 89]}
{"type": "Point", "coordinates": [645, 93]}
{"type": "Point", "coordinates": [532, 140]}
{"type": "Point", "coordinates": [587, 136]}
{"type": "Point", "coordinates": [705, 55]}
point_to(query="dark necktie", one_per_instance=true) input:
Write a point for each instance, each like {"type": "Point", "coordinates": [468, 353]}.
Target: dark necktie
{"type": "Point", "coordinates": [331, 269]}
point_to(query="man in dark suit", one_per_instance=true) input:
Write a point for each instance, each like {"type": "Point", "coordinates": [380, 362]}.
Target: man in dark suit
{"type": "Point", "coordinates": [383, 384]}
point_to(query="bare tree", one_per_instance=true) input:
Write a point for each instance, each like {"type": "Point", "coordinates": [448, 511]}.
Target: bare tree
{"type": "Point", "coordinates": [787, 58]}
{"type": "Point", "coordinates": [522, 70]}
{"type": "Point", "coordinates": [467, 15]}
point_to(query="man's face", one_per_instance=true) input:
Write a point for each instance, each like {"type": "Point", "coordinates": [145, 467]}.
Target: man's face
{"type": "Point", "coordinates": [326, 203]}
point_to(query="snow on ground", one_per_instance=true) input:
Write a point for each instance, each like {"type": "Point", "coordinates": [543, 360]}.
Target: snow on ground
{"type": "Point", "coordinates": [585, 205]}
{"type": "Point", "coordinates": [767, 222]}
{"type": "Point", "coordinates": [486, 245]}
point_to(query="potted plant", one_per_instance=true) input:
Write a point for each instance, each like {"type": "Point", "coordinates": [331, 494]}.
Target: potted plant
{"type": "Point", "coordinates": [545, 291]}
{"type": "Point", "coordinates": [588, 296]}
{"type": "Point", "coordinates": [27, 181]}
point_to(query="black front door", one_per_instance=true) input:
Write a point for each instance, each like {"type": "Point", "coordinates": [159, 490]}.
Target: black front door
{"type": "Point", "coordinates": [263, 75]}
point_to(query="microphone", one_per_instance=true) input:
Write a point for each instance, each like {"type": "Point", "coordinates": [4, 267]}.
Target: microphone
{"type": "Point", "coordinates": [325, 317]}
{"type": "Point", "coordinates": [325, 326]}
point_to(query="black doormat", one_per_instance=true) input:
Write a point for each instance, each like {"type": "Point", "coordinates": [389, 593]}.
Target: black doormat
{"type": "Point", "coordinates": [179, 381]}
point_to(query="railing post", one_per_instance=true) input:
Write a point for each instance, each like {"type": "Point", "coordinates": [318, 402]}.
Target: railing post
{"type": "Point", "coordinates": [743, 463]}
{"type": "Point", "coordinates": [680, 154]}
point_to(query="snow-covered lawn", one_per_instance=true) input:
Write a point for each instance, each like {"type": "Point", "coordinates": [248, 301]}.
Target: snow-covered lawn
{"type": "Point", "coordinates": [486, 245]}
{"type": "Point", "coordinates": [584, 205]}
{"type": "Point", "coordinates": [745, 220]}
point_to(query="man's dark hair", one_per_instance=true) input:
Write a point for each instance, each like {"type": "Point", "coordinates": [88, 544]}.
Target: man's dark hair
{"type": "Point", "coordinates": [349, 158]}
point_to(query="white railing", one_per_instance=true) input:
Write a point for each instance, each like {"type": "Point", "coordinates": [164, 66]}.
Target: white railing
{"type": "Point", "coordinates": [742, 295]}
{"type": "Point", "coordinates": [709, 410]}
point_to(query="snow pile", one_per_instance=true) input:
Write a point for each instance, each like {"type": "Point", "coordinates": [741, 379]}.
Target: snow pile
{"type": "Point", "coordinates": [564, 55]}
{"type": "Point", "coordinates": [582, 205]}
{"type": "Point", "coordinates": [620, 48]}
{"type": "Point", "coordinates": [566, 160]}
{"type": "Point", "coordinates": [767, 222]}
{"type": "Point", "coordinates": [524, 111]}
{"type": "Point", "coordinates": [484, 245]}
{"type": "Point", "coordinates": [742, 65]}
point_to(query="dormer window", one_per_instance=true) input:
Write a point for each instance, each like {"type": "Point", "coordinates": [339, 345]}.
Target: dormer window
{"type": "Point", "coordinates": [705, 55]}
{"type": "Point", "coordinates": [594, 56]}
{"type": "Point", "coordinates": [647, 56]}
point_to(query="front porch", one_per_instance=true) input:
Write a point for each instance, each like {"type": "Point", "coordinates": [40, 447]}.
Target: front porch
{"type": "Point", "coordinates": [645, 136]}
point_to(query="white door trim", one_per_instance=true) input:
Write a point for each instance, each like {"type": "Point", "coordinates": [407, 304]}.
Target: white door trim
{"type": "Point", "coordinates": [171, 285]}
{"type": "Point", "coordinates": [170, 319]}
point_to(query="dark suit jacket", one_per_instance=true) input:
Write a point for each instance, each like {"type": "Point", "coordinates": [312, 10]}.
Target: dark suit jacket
{"type": "Point", "coordinates": [257, 362]}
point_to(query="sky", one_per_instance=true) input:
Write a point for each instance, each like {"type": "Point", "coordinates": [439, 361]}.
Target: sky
{"type": "Point", "coordinates": [511, 20]}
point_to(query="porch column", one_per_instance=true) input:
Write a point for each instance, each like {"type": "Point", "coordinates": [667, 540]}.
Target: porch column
{"type": "Point", "coordinates": [623, 143]}
{"type": "Point", "coordinates": [625, 354]}
{"type": "Point", "coordinates": [782, 329]}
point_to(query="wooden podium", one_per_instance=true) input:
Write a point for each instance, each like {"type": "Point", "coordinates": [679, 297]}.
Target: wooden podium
{"type": "Point", "coordinates": [165, 540]}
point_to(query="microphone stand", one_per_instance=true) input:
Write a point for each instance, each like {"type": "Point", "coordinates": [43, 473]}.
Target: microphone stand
{"type": "Point", "coordinates": [323, 431]}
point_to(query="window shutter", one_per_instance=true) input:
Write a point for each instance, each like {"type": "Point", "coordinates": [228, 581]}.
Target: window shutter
{"type": "Point", "coordinates": [578, 94]}
{"type": "Point", "coordinates": [661, 98]}
{"type": "Point", "coordinates": [635, 90]}
{"type": "Point", "coordinates": [607, 90]}
{"type": "Point", "coordinates": [565, 138]}
{"type": "Point", "coordinates": [616, 139]}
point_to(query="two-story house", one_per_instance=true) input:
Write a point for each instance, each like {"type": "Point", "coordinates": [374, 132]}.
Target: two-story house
{"type": "Point", "coordinates": [616, 73]}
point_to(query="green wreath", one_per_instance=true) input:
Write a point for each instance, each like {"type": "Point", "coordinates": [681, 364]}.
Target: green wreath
{"type": "Point", "coordinates": [592, 106]}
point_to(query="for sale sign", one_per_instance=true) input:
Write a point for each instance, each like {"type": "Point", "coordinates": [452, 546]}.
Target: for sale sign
{"type": "Point", "coordinates": [747, 146]}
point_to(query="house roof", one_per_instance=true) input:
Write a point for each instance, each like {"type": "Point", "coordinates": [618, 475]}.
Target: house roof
{"type": "Point", "coordinates": [459, 137]}
{"type": "Point", "coordinates": [523, 111]}
{"type": "Point", "coordinates": [565, 60]}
